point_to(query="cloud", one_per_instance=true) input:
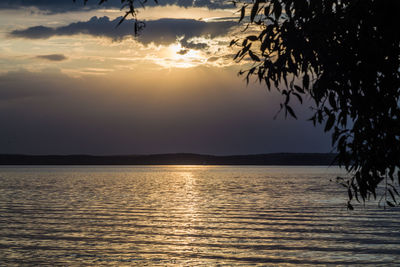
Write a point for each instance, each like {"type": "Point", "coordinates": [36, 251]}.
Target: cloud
{"type": "Point", "coordinates": [160, 32]}
{"type": "Point", "coordinates": [53, 57]}
{"type": "Point", "coordinates": [165, 31]}
{"type": "Point", "coordinates": [182, 52]}
{"type": "Point", "coordinates": [62, 6]}
{"type": "Point", "coordinates": [213, 59]}
{"type": "Point", "coordinates": [193, 45]}
{"type": "Point", "coordinates": [37, 32]}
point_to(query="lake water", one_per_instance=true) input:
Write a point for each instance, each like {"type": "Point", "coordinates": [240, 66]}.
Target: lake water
{"type": "Point", "coordinates": [188, 216]}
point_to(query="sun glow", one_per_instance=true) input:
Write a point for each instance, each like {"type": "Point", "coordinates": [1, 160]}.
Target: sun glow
{"type": "Point", "coordinates": [181, 57]}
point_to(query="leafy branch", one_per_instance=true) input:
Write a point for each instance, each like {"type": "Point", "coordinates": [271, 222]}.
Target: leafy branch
{"type": "Point", "coordinates": [328, 50]}
{"type": "Point", "coordinates": [130, 7]}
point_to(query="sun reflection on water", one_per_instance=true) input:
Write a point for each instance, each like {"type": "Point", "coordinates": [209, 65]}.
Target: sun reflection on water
{"type": "Point", "coordinates": [186, 216]}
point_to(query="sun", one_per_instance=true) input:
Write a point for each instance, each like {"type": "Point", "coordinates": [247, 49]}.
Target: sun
{"type": "Point", "coordinates": [182, 57]}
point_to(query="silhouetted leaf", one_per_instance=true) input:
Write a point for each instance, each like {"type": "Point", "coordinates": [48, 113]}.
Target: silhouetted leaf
{"type": "Point", "coordinates": [298, 97]}
{"type": "Point", "coordinates": [390, 203]}
{"type": "Point", "coordinates": [254, 10]}
{"type": "Point", "coordinates": [277, 10]}
{"type": "Point", "coordinates": [330, 122]}
{"type": "Point", "coordinates": [252, 38]}
{"type": "Point", "coordinates": [291, 112]}
{"type": "Point", "coordinates": [299, 89]}
{"type": "Point", "coordinates": [398, 177]}
{"type": "Point", "coordinates": [306, 81]}
{"type": "Point", "coordinates": [253, 56]}
{"type": "Point", "coordinates": [391, 194]}
{"type": "Point", "coordinates": [332, 101]}
{"type": "Point", "coordinates": [233, 42]}
{"type": "Point", "coordinates": [350, 194]}
{"type": "Point", "coordinates": [349, 206]}
{"type": "Point", "coordinates": [242, 13]}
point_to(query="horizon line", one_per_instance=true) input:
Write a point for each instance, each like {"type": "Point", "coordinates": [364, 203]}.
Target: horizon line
{"type": "Point", "coordinates": [165, 154]}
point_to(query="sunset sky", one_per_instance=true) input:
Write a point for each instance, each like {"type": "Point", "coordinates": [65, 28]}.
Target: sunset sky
{"type": "Point", "coordinates": [73, 83]}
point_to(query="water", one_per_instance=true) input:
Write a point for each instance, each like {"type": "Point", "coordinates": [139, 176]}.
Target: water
{"type": "Point", "coordinates": [188, 216]}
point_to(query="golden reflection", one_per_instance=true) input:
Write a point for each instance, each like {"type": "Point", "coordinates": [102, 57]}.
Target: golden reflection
{"type": "Point", "coordinates": [188, 205]}
{"type": "Point", "coordinates": [186, 216]}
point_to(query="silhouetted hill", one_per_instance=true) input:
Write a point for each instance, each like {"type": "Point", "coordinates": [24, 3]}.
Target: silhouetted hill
{"type": "Point", "coordinates": [173, 159]}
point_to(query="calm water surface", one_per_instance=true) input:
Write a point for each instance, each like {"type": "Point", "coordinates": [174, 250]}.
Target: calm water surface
{"type": "Point", "coordinates": [188, 216]}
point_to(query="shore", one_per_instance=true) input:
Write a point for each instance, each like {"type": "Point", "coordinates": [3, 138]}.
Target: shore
{"type": "Point", "coordinates": [284, 159]}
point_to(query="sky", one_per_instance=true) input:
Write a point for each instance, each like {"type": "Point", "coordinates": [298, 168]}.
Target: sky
{"type": "Point", "coordinates": [71, 82]}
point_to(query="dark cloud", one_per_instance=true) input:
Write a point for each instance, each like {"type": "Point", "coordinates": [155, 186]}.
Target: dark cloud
{"type": "Point", "coordinates": [53, 57]}
{"type": "Point", "coordinates": [182, 52]}
{"type": "Point", "coordinates": [37, 32]}
{"type": "Point", "coordinates": [213, 59]}
{"type": "Point", "coordinates": [61, 6]}
{"type": "Point", "coordinates": [193, 45]}
{"type": "Point", "coordinates": [165, 31]}
{"type": "Point", "coordinates": [162, 31]}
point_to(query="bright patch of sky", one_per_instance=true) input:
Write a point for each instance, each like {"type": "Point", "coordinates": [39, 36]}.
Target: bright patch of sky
{"type": "Point", "coordinates": [84, 52]}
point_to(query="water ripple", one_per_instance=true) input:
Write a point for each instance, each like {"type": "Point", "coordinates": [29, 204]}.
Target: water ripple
{"type": "Point", "coordinates": [188, 216]}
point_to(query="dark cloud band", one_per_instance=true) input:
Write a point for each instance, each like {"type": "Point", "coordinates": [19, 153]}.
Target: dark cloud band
{"type": "Point", "coordinates": [61, 6]}
{"type": "Point", "coordinates": [53, 57]}
{"type": "Point", "coordinates": [162, 31]}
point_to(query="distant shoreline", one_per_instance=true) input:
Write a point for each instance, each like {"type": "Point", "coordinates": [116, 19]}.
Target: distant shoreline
{"type": "Point", "coordinates": [283, 159]}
